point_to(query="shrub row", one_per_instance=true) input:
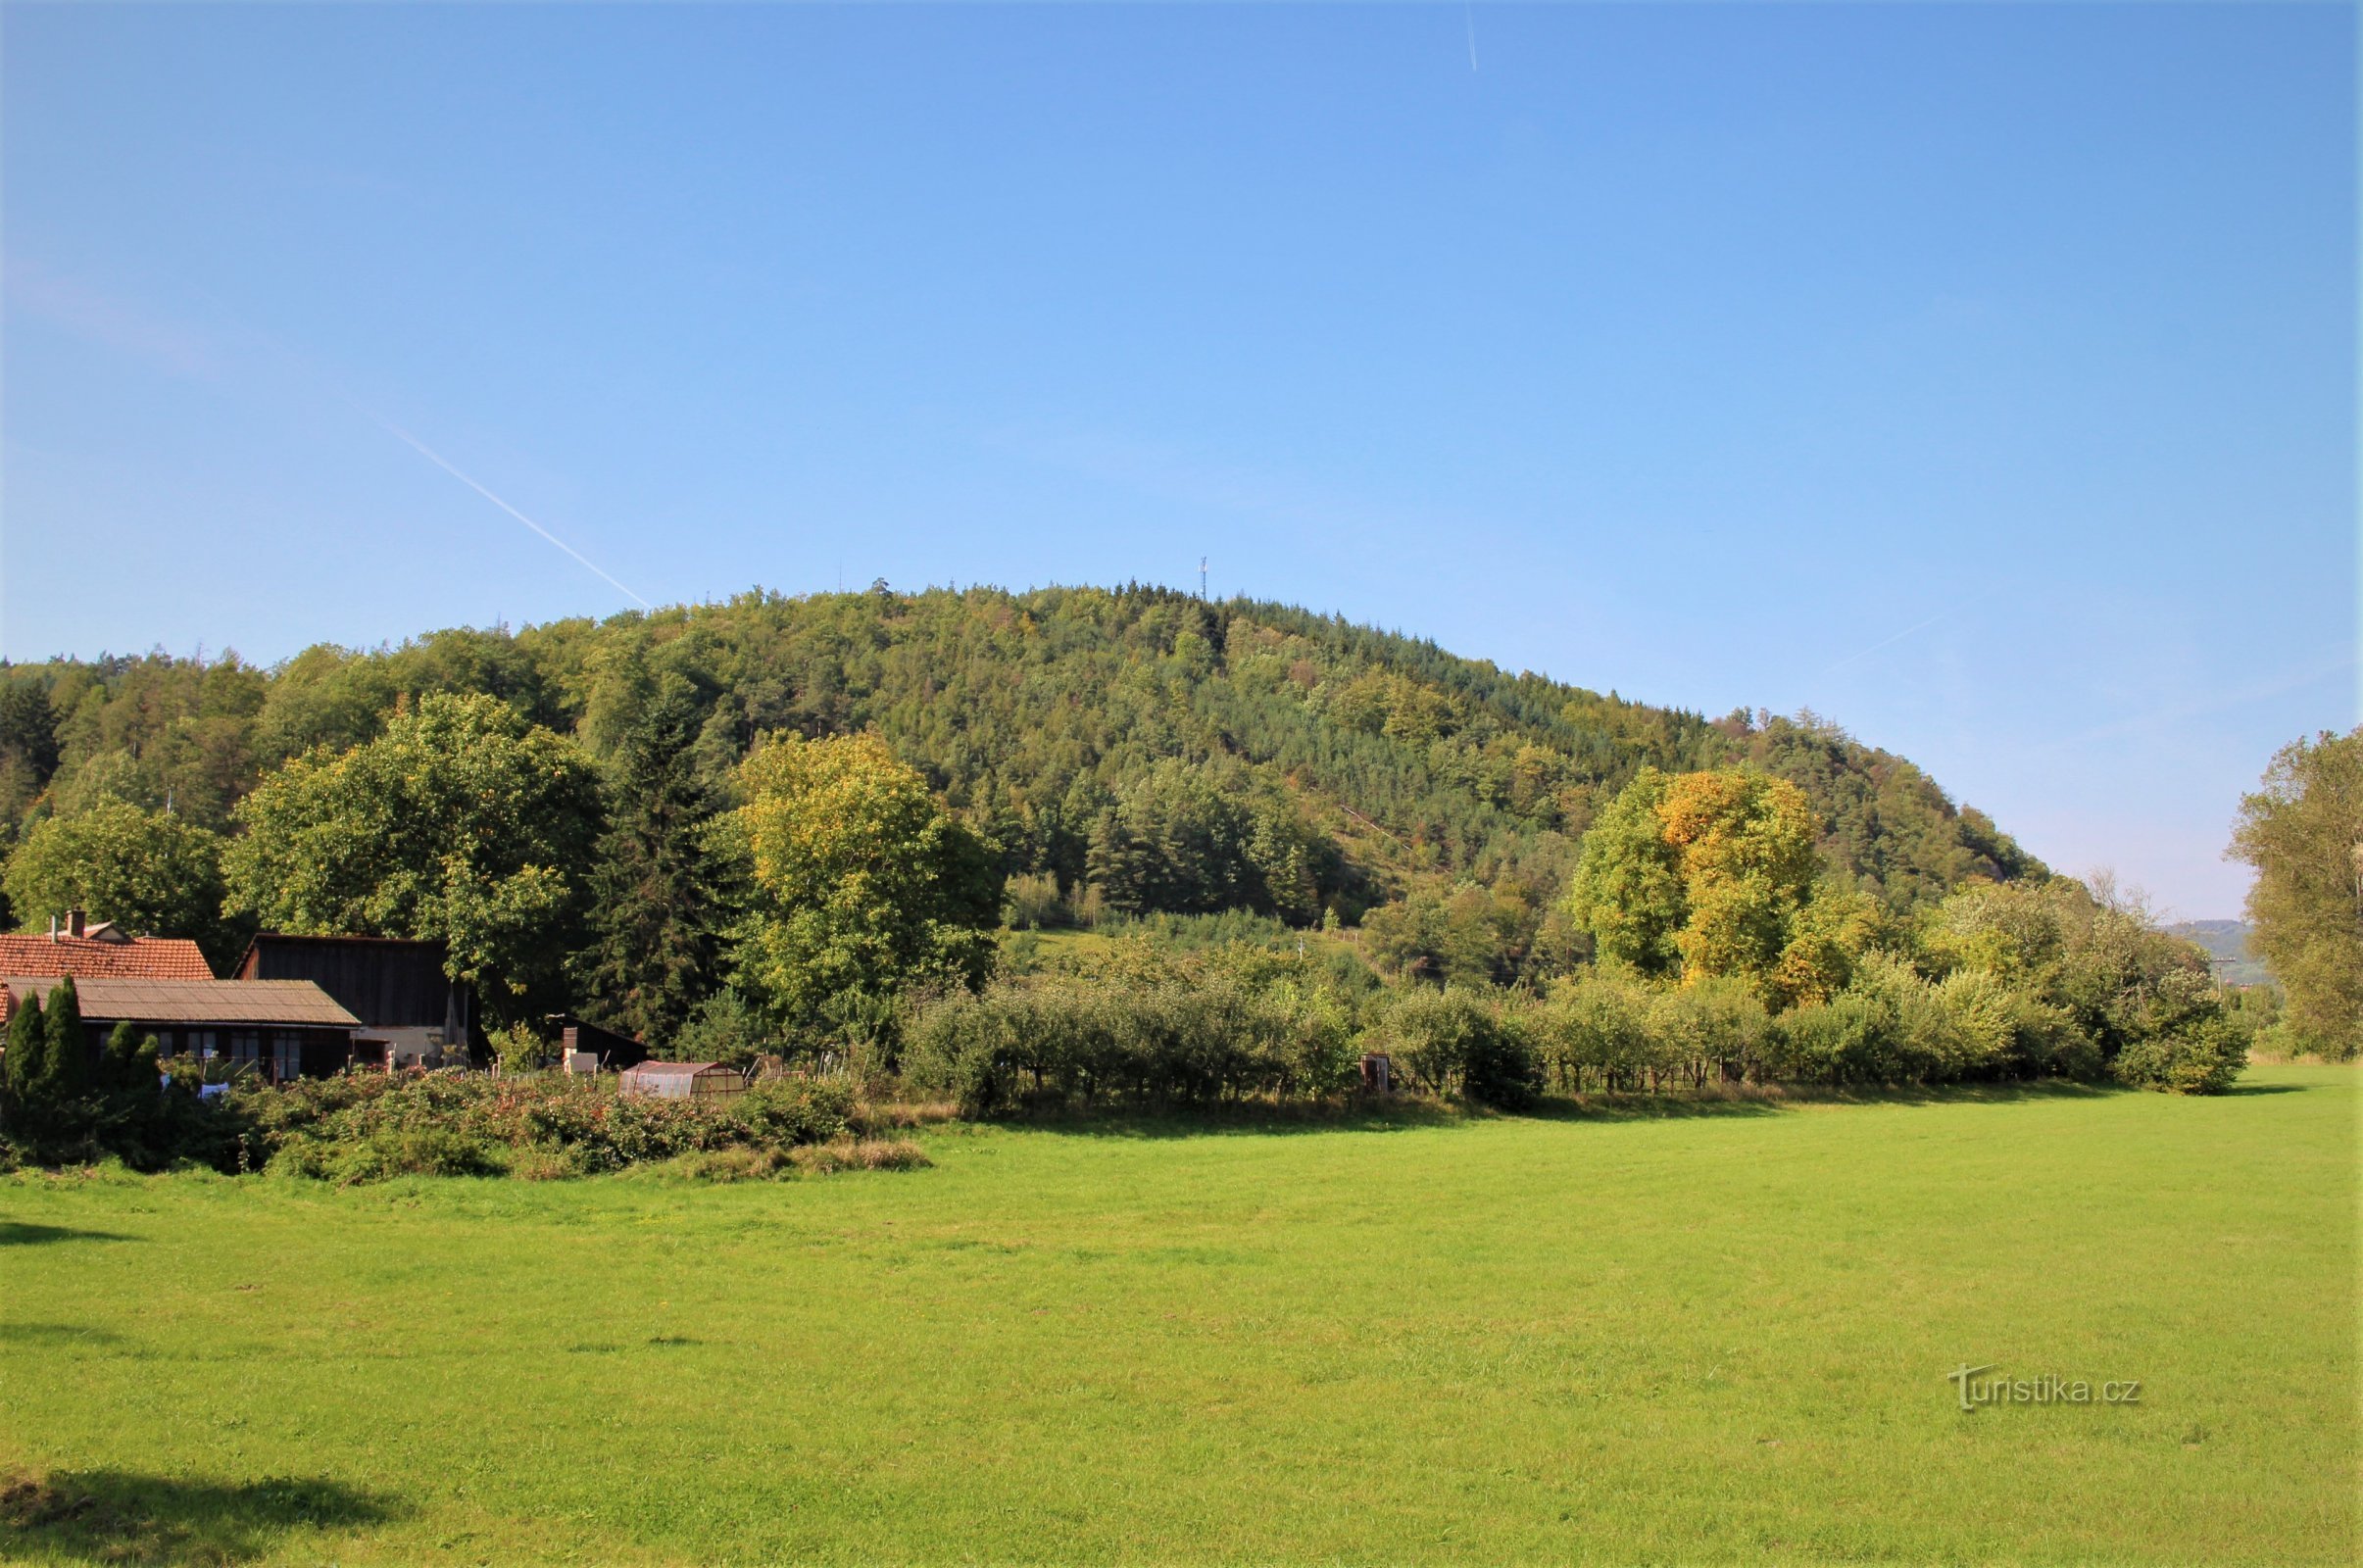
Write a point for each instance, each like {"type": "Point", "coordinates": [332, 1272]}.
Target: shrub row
{"type": "Point", "coordinates": [1162, 1040]}
{"type": "Point", "coordinates": [367, 1127]}
{"type": "Point", "coordinates": [1172, 1040]}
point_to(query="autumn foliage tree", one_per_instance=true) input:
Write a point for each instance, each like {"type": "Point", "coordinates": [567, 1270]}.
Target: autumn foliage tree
{"type": "Point", "coordinates": [1715, 875]}
{"type": "Point", "coordinates": [863, 886]}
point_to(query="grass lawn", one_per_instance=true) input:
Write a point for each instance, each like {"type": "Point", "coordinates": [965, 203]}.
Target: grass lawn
{"type": "Point", "coordinates": [1714, 1336]}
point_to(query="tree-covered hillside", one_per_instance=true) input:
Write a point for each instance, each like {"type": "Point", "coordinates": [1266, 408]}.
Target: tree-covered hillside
{"type": "Point", "coordinates": [1137, 747]}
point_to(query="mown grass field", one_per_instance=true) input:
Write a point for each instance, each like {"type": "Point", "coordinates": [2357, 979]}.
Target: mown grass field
{"type": "Point", "coordinates": [1713, 1335]}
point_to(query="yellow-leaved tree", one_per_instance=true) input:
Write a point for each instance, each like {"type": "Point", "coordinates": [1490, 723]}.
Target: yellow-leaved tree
{"type": "Point", "coordinates": [1715, 875]}
{"type": "Point", "coordinates": [863, 886]}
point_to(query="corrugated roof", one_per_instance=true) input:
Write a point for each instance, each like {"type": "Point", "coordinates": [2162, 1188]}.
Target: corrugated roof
{"type": "Point", "coordinates": [669, 1069]}
{"type": "Point", "coordinates": [220, 1002]}
{"type": "Point", "coordinates": [150, 957]}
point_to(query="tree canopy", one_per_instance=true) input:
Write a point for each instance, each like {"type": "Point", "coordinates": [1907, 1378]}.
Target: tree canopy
{"type": "Point", "coordinates": [863, 886]}
{"type": "Point", "coordinates": [459, 821]}
{"type": "Point", "coordinates": [150, 873]}
{"type": "Point", "coordinates": [2303, 833]}
{"type": "Point", "coordinates": [1714, 876]}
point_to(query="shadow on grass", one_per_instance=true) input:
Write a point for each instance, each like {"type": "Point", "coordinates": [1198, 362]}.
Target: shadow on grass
{"type": "Point", "coordinates": [1237, 1118]}
{"type": "Point", "coordinates": [1263, 1117]}
{"type": "Point", "coordinates": [17, 1233]}
{"type": "Point", "coordinates": [117, 1517]}
{"type": "Point", "coordinates": [56, 1336]}
{"type": "Point", "coordinates": [2269, 1088]}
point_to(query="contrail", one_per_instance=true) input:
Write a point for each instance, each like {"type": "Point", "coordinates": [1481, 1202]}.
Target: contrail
{"type": "Point", "coordinates": [1468, 9]}
{"type": "Point", "coordinates": [436, 458]}
{"type": "Point", "coordinates": [1865, 652]}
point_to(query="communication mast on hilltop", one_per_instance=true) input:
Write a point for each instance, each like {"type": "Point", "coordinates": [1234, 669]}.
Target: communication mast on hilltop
{"type": "Point", "coordinates": [1202, 579]}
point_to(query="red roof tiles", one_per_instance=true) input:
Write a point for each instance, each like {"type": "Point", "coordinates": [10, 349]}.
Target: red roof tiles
{"type": "Point", "coordinates": [87, 958]}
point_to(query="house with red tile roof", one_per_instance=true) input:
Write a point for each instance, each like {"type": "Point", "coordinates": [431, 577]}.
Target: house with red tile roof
{"type": "Point", "coordinates": [102, 952]}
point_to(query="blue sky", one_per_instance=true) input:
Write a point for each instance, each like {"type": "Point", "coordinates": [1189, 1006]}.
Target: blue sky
{"type": "Point", "coordinates": [1982, 377]}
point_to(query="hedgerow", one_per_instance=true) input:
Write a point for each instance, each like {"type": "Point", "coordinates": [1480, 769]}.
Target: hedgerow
{"type": "Point", "coordinates": [366, 1127]}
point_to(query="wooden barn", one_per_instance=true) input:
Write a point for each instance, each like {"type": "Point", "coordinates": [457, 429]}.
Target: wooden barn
{"type": "Point", "coordinates": [405, 1003]}
{"type": "Point", "coordinates": [682, 1080]}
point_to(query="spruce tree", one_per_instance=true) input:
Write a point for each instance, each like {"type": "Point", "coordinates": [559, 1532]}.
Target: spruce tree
{"type": "Point", "coordinates": [67, 1071]}
{"type": "Point", "coordinates": [28, 1047]}
{"type": "Point", "coordinates": [660, 892]}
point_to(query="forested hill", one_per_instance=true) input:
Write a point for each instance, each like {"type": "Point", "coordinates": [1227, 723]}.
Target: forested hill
{"type": "Point", "coordinates": [1144, 748]}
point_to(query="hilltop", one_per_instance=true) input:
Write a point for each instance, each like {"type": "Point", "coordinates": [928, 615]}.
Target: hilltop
{"type": "Point", "coordinates": [1130, 749]}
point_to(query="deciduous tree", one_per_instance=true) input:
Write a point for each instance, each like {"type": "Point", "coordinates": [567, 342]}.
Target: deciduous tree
{"type": "Point", "coordinates": [863, 885]}
{"type": "Point", "coordinates": [150, 873]}
{"type": "Point", "coordinates": [459, 822]}
{"type": "Point", "coordinates": [2303, 832]}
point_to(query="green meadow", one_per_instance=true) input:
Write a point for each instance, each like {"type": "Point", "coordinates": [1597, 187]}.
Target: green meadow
{"type": "Point", "coordinates": [1714, 1331]}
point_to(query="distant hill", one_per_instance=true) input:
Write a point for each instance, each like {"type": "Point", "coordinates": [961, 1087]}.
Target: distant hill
{"type": "Point", "coordinates": [2227, 945]}
{"type": "Point", "coordinates": [1174, 754]}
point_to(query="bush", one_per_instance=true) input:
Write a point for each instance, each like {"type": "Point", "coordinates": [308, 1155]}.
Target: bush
{"type": "Point", "coordinates": [1450, 1042]}
{"type": "Point", "coordinates": [2204, 1059]}
{"type": "Point", "coordinates": [385, 1152]}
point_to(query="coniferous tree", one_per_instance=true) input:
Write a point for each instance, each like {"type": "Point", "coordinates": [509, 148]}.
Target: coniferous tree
{"type": "Point", "coordinates": [661, 895]}
{"type": "Point", "coordinates": [28, 1047]}
{"type": "Point", "coordinates": [66, 1071]}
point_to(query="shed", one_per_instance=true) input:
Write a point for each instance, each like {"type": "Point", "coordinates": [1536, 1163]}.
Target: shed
{"type": "Point", "coordinates": [681, 1080]}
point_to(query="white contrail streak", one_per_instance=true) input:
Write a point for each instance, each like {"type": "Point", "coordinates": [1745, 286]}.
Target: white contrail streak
{"type": "Point", "coordinates": [437, 459]}
{"type": "Point", "coordinates": [1865, 652]}
{"type": "Point", "coordinates": [1469, 9]}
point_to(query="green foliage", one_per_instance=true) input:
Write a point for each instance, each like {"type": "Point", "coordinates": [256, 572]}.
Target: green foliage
{"type": "Point", "coordinates": [1467, 935]}
{"type": "Point", "coordinates": [66, 1065]}
{"type": "Point", "coordinates": [2204, 1060]}
{"type": "Point", "coordinates": [863, 886]}
{"type": "Point", "coordinates": [661, 888]}
{"type": "Point", "coordinates": [459, 822]}
{"type": "Point", "coordinates": [1202, 838]}
{"type": "Point", "coordinates": [27, 1061]}
{"type": "Point", "coordinates": [728, 1028]}
{"type": "Point", "coordinates": [28, 744]}
{"type": "Point", "coordinates": [368, 1127]}
{"type": "Point", "coordinates": [1455, 1042]}
{"type": "Point", "coordinates": [1349, 760]}
{"type": "Point", "coordinates": [60, 1107]}
{"type": "Point", "coordinates": [1715, 875]}
{"type": "Point", "coordinates": [1196, 1034]}
{"type": "Point", "coordinates": [129, 1060]}
{"type": "Point", "coordinates": [150, 873]}
{"type": "Point", "coordinates": [1628, 893]}
{"type": "Point", "coordinates": [2303, 833]}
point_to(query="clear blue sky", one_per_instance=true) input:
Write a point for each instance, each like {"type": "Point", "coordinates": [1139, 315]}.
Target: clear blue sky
{"type": "Point", "coordinates": [1982, 377]}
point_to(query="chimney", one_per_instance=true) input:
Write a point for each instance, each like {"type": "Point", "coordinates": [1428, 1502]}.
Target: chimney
{"type": "Point", "coordinates": [74, 922]}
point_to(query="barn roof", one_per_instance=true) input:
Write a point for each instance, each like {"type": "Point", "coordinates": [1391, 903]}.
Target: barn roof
{"type": "Point", "coordinates": [31, 954]}
{"type": "Point", "coordinates": [217, 1001]}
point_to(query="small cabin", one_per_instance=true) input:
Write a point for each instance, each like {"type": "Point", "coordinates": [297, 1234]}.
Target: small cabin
{"type": "Point", "coordinates": [681, 1080]}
